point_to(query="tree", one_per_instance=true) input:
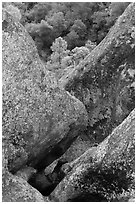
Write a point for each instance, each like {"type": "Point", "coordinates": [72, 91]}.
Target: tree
{"type": "Point", "coordinates": [59, 51]}
{"type": "Point", "coordinates": [38, 12]}
{"type": "Point", "coordinates": [41, 34]}
{"type": "Point", "coordinates": [99, 27]}
{"type": "Point", "coordinates": [72, 39]}
{"type": "Point", "coordinates": [79, 27]}
{"type": "Point", "coordinates": [75, 56]}
{"type": "Point", "coordinates": [57, 21]}
{"type": "Point", "coordinates": [77, 34]}
{"type": "Point", "coordinates": [76, 22]}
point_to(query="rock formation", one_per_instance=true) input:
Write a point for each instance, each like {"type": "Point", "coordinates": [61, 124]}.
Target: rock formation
{"type": "Point", "coordinates": [37, 115]}
{"type": "Point", "coordinates": [103, 80]}
{"type": "Point", "coordinates": [44, 119]}
{"type": "Point", "coordinates": [105, 172]}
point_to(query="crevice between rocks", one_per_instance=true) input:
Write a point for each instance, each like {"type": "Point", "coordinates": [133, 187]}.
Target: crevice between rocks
{"type": "Point", "coordinates": [45, 184]}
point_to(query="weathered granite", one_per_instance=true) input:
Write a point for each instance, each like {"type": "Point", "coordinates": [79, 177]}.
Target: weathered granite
{"type": "Point", "coordinates": [105, 172]}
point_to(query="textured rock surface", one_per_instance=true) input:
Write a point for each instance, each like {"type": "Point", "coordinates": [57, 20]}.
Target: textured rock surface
{"type": "Point", "coordinates": [16, 189]}
{"type": "Point", "coordinates": [119, 42]}
{"type": "Point", "coordinates": [102, 78]}
{"type": "Point", "coordinates": [77, 148]}
{"type": "Point", "coordinates": [26, 173]}
{"type": "Point", "coordinates": [36, 113]}
{"type": "Point", "coordinates": [104, 173]}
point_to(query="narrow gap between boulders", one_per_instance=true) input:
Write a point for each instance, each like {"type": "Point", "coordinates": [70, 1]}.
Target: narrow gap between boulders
{"type": "Point", "coordinates": [45, 184]}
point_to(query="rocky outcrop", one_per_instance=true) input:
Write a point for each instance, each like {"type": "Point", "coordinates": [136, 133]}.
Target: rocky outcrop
{"type": "Point", "coordinates": [120, 37]}
{"type": "Point", "coordinates": [37, 115]}
{"type": "Point", "coordinates": [104, 80]}
{"type": "Point", "coordinates": [105, 173]}
{"type": "Point", "coordinates": [41, 120]}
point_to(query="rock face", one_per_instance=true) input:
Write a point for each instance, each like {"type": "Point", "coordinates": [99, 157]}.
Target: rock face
{"type": "Point", "coordinates": [26, 173]}
{"type": "Point", "coordinates": [117, 38]}
{"type": "Point", "coordinates": [45, 184]}
{"type": "Point", "coordinates": [105, 173]}
{"type": "Point", "coordinates": [41, 120]}
{"type": "Point", "coordinates": [16, 189]}
{"type": "Point", "coordinates": [37, 115]}
{"type": "Point", "coordinates": [101, 81]}
{"type": "Point", "coordinates": [77, 148]}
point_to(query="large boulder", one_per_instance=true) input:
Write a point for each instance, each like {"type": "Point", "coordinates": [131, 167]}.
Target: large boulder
{"type": "Point", "coordinates": [37, 115]}
{"type": "Point", "coordinates": [105, 172]}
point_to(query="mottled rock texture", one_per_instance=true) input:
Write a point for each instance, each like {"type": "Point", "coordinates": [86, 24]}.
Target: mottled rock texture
{"type": "Point", "coordinates": [26, 172]}
{"type": "Point", "coordinates": [41, 119]}
{"type": "Point", "coordinates": [105, 173]}
{"type": "Point", "coordinates": [16, 189]}
{"type": "Point", "coordinates": [103, 80]}
{"type": "Point", "coordinates": [77, 148]}
{"type": "Point", "coordinates": [37, 115]}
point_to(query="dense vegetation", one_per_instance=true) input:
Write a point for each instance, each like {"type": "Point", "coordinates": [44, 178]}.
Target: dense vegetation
{"type": "Point", "coordinates": [76, 23]}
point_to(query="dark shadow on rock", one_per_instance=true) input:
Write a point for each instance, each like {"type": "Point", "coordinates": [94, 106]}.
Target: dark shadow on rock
{"type": "Point", "coordinates": [87, 197]}
{"type": "Point", "coordinates": [45, 159]}
{"type": "Point", "coordinates": [45, 184]}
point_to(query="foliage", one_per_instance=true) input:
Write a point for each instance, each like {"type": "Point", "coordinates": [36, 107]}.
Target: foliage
{"type": "Point", "coordinates": [57, 21]}
{"type": "Point", "coordinates": [70, 20]}
{"type": "Point", "coordinates": [76, 22]}
{"type": "Point", "coordinates": [61, 58]}
{"type": "Point", "coordinates": [115, 10]}
{"type": "Point", "coordinates": [59, 51]}
{"type": "Point", "coordinates": [73, 39]}
{"type": "Point", "coordinates": [90, 45]}
{"type": "Point", "coordinates": [41, 33]}
{"type": "Point", "coordinates": [38, 12]}
{"type": "Point", "coordinates": [79, 53]}
{"type": "Point", "coordinates": [99, 27]}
